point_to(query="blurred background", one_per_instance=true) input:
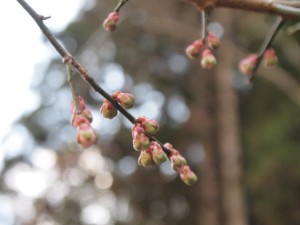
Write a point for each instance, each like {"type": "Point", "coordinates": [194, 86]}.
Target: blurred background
{"type": "Point", "coordinates": [241, 139]}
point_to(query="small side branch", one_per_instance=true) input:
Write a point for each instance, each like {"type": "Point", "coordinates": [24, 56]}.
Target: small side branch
{"type": "Point", "coordinates": [279, 22]}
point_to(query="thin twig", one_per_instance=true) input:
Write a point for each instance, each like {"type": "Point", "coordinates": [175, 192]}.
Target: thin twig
{"type": "Point", "coordinates": [203, 24]}
{"type": "Point", "coordinates": [69, 59]}
{"type": "Point", "coordinates": [70, 74]}
{"type": "Point", "coordinates": [120, 5]}
{"type": "Point", "coordinates": [279, 22]}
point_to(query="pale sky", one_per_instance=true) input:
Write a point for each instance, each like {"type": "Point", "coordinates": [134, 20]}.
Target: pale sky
{"type": "Point", "coordinates": [21, 49]}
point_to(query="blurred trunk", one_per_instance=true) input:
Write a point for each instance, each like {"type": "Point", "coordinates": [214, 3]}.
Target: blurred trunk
{"type": "Point", "coordinates": [233, 206]}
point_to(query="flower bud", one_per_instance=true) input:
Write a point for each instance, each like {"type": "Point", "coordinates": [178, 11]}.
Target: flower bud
{"type": "Point", "coordinates": [158, 155]}
{"type": "Point", "coordinates": [188, 176]}
{"type": "Point", "coordinates": [108, 110]}
{"type": "Point", "coordinates": [86, 136]}
{"type": "Point", "coordinates": [81, 104]}
{"type": "Point", "coordinates": [78, 119]}
{"type": "Point", "coordinates": [126, 100]}
{"type": "Point", "coordinates": [145, 159]}
{"type": "Point", "coordinates": [248, 64]}
{"type": "Point", "coordinates": [177, 161]}
{"type": "Point", "coordinates": [208, 60]}
{"type": "Point", "coordinates": [194, 49]}
{"type": "Point", "coordinates": [136, 129]}
{"type": "Point", "coordinates": [270, 57]}
{"type": "Point", "coordinates": [110, 23]}
{"type": "Point", "coordinates": [168, 146]}
{"type": "Point", "coordinates": [141, 142]}
{"type": "Point", "coordinates": [150, 126]}
{"type": "Point", "coordinates": [213, 41]}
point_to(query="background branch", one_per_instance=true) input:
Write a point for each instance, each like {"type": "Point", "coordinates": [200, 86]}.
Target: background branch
{"type": "Point", "coordinates": [284, 8]}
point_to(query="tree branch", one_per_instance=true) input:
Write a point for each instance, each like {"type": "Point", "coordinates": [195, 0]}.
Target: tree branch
{"type": "Point", "coordinates": [285, 8]}
{"type": "Point", "coordinates": [69, 59]}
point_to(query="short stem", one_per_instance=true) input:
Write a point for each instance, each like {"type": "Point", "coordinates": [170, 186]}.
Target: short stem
{"type": "Point", "coordinates": [70, 75]}
{"type": "Point", "coordinates": [203, 25]}
{"type": "Point", "coordinates": [279, 22]}
{"type": "Point", "coordinates": [120, 5]}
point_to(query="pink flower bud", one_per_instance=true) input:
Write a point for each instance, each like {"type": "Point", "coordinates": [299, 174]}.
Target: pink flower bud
{"type": "Point", "coordinates": [81, 104]}
{"type": "Point", "coordinates": [86, 136]}
{"type": "Point", "coordinates": [79, 119]}
{"type": "Point", "coordinates": [108, 110]}
{"type": "Point", "coordinates": [177, 161]}
{"type": "Point", "coordinates": [126, 100]}
{"type": "Point", "coordinates": [188, 176]}
{"type": "Point", "coordinates": [137, 129]}
{"type": "Point", "coordinates": [150, 126]}
{"type": "Point", "coordinates": [213, 41]}
{"type": "Point", "coordinates": [194, 50]}
{"type": "Point", "coordinates": [141, 142]}
{"type": "Point", "coordinates": [270, 57]}
{"type": "Point", "coordinates": [145, 159]}
{"type": "Point", "coordinates": [248, 64]}
{"type": "Point", "coordinates": [110, 23]}
{"type": "Point", "coordinates": [208, 60]}
{"type": "Point", "coordinates": [168, 146]}
{"type": "Point", "coordinates": [158, 154]}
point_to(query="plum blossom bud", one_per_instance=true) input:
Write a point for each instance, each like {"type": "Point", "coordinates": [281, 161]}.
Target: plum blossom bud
{"type": "Point", "coordinates": [194, 49]}
{"type": "Point", "coordinates": [110, 23]}
{"type": "Point", "coordinates": [168, 146]}
{"type": "Point", "coordinates": [86, 136]}
{"type": "Point", "coordinates": [208, 60]}
{"type": "Point", "coordinates": [188, 176]}
{"type": "Point", "coordinates": [158, 154]}
{"type": "Point", "coordinates": [81, 104]}
{"type": "Point", "coordinates": [177, 161]}
{"type": "Point", "coordinates": [140, 142]}
{"type": "Point", "coordinates": [150, 125]}
{"type": "Point", "coordinates": [136, 129]}
{"type": "Point", "coordinates": [248, 64]}
{"type": "Point", "coordinates": [270, 57]}
{"type": "Point", "coordinates": [79, 119]}
{"type": "Point", "coordinates": [108, 110]}
{"type": "Point", "coordinates": [145, 159]}
{"type": "Point", "coordinates": [126, 100]}
{"type": "Point", "coordinates": [213, 41]}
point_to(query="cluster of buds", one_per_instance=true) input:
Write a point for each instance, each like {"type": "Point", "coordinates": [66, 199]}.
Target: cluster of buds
{"type": "Point", "coordinates": [110, 23]}
{"type": "Point", "coordinates": [248, 65]}
{"type": "Point", "coordinates": [179, 164]}
{"type": "Point", "coordinates": [152, 155]}
{"type": "Point", "coordinates": [140, 131]}
{"type": "Point", "coordinates": [204, 48]}
{"type": "Point", "coordinates": [81, 119]}
{"type": "Point", "coordinates": [151, 151]}
{"type": "Point", "coordinates": [109, 111]}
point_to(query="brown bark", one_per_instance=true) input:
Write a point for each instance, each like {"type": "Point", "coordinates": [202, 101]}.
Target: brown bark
{"type": "Point", "coordinates": [229, 147]}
